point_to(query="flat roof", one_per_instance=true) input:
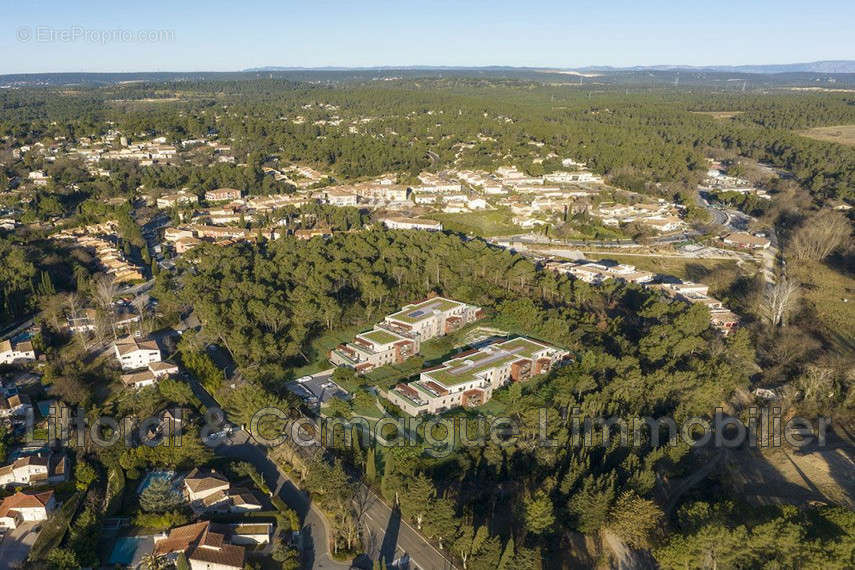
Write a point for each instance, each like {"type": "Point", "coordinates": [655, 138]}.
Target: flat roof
{"type": "Point", "coordinates": [380, 336]}
{"type": "Point", "coordinates": [464, 368]}
{"type": "Point", "coordinates": [420, 311]}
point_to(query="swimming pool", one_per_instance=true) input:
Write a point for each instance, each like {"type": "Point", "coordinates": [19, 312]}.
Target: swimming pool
{"type": "Point", "coordinates": [129, 549]}
{"type": "Point", "coordinates": [26, 335]}
{"type": "Point", "coordinates": [153, 475]}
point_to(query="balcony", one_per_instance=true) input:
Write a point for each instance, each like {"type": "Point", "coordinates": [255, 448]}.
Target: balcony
{"type": "Point", "coordinates": [407, 333]}
{"type": "Point", "coordinates": [410, 394]}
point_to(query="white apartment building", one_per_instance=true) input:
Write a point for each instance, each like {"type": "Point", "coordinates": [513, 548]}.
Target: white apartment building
{"type": "Point", "coordinates": [470, 378]}
{"type": "Point", "coordinates": [400, 335]}
{"type": "Point", "coordinates": [403, 223]}
{"type": "Point", "coordinates": [340, 198]}
{"type": "Point", "coordinates": [375, 348]}
{"type": "Point", "coordinates": [176, 199]}
{"type": "Point", "coordinates": [433, 317]}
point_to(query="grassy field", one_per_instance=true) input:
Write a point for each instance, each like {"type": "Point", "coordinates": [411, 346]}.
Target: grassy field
{"type": "Point", "coordinates": [487, 223]}
{"type": "Point", "coordinates": [843, 134]}
{"type": "Point", "coordinates": [719, 114]}
{"type": "Point", "coordinates": [321, 347]}
{"type": "Point", "coordinates": [824, 290]}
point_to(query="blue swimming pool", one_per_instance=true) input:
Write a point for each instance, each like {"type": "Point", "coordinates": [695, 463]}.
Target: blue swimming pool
{"type": "Point", "coordinates": [125, 550]}
{"type": "Point", "coordinates": [151, 476]}
{"type": "Point", "coordinates": [21, 337]}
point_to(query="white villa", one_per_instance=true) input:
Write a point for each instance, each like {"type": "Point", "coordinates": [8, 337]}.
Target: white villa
{"type": "Point", "coordinates": [133, 354]}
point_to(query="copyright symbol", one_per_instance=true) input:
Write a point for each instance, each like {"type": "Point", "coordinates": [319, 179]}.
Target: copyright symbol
{"type": "Point", "coordinates": [24, 34]}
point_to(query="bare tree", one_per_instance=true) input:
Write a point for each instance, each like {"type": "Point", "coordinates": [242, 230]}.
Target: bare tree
{"type": "Point", "coordinates": [140, 303]}
{"type": "Point", "coordinates": [72, 302]}
{"type": "Point", "coordinates": [819, 235]}
{"type": "Point", "coordinates": [779, 301]}
{"type": "Point", "coordinates": [105, 290]}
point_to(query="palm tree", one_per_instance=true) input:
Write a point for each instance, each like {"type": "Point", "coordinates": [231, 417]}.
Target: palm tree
{"type": "Point", "coordinates": [151, 561]}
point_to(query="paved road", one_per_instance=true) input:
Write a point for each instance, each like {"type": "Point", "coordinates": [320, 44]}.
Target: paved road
{"type": "Point", "coordinates": [384, 531]}
{"type": "Point", "coordinates": [241, 447]}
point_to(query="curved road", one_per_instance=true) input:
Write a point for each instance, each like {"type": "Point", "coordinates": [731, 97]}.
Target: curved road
{"type": "Point", "coordinates": [241, 447]}
{"type": "Point", "coordinates": [386, 534]}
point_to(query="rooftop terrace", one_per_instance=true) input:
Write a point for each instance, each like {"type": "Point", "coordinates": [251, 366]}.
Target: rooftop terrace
{"type": "Point", "coordinates": [380, 336]}
{"type": "Point", "coordinates": [416, 313]}
{"type": "Point", "coordinates": [466, 368]}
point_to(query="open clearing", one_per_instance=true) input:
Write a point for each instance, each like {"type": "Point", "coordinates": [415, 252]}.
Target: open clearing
{"type": "Point", "coordinates": [719, 114]}
{"type": "Point", "coordinates": [486, 223]}
{"type": "Point", "coordinates": [831, 294]}
{"type": "Point", "coordinates": [842, 134]}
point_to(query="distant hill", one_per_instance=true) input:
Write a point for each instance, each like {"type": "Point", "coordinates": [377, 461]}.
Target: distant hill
{"type": "Point", "coordinates": [836, 74]}
{"type": "Point", "coordinates": [829, 66]}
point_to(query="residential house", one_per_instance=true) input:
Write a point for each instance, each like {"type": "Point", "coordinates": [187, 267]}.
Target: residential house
{"type": "Point", "coordinates": [162, 368]}
{"type": "Point", "coordinates": [14, 352]}
{"type": "Point", "coordinates": [200, 484]}
{"type": "Point", "coordinates": [250, 534]}
{"type": "Point", "coordinates": [133, 354]}
{"type": "Point", "coordinates": [203, 547]}
{"type": "Point", "coordinates": [314, 232]}
{"type": "Point", "coordinates": [137, 380]}
{"type": "Point", "coordinates": [209, 491]}
{"type": "Point", "coordinates": [222, 194]}
{"type": "Point", "coordinates": [34, 469]}
{"type": "Point", "coordinates": [185, 244]}
{"type": "Point", "coordinates": [26, 507]}
{"type": "Point", "coordinates": [746, 240]}
{"type": "Point", "coordinates": [16, 405]}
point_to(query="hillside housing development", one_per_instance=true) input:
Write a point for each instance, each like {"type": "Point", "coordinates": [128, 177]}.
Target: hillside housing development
{"type": "Point", "coordinates": [721, 318]}
{"type": "Point", "coordinates": [399, 335]}
{"type": "Point", "coordinates": [470, 378]}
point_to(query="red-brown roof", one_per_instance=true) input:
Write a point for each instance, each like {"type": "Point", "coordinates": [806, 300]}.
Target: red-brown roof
{"type": "Point", "coordinates": [24, 501]}
{"type": "Point", "coordinates": [198, 542]}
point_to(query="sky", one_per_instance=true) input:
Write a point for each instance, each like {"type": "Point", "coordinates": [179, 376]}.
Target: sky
{"type": "Point", "coordinates": [212, 35]}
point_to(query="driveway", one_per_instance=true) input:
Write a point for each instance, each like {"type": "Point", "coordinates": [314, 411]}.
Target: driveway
{"type": "Point", "coordinates": [16, 545]}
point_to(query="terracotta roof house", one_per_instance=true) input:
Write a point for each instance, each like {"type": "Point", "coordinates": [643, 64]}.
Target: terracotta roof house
{"type": "Point", "coordinates": [25, 507]}
{"type": "Point", "coordinates": [221, 194]}
{"type": "Point", "coordinates": [204, 548]}
{"type": "Point", "coordinates": [201, 484]}
{"type": "Point", "coordinates": [746, 240]}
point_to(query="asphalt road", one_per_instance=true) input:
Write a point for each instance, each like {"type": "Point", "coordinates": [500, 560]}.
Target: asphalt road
{"type": "Point", "coordinates": [385, 533]}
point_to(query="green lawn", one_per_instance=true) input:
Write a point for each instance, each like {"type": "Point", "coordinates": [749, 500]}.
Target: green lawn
{"type": "Point", "coordinates": [487, 223]}
{"type": "Point", "coordinates": [321, 347]}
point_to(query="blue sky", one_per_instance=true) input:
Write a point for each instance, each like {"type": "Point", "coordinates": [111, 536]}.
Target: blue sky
{"type": "Point", "coordinates": [215, 35]}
